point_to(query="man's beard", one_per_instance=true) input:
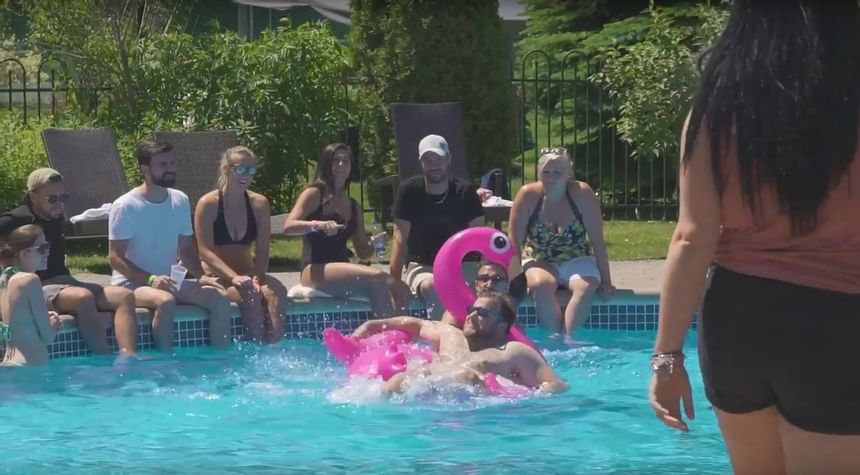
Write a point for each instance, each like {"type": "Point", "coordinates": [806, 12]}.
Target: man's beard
{"type": "Point", "coordinates": [168, 180]}
{"type": "Point", "coordinates": [436, 179]}
{"type": "Point", "coordinates": [478, 340]}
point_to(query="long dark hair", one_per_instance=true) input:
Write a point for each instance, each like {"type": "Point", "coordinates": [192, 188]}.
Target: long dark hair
{"type": "Point", "coordinates": [323, 177]}
{"type": "Point", "coordinates": [784, 78]}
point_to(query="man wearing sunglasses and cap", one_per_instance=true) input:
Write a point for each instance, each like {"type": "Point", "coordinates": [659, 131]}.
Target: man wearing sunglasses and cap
{"type": "Point", "coordinates": [44, 204]}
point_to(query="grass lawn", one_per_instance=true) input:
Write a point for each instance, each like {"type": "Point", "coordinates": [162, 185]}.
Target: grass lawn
{"type": "Point", "coordinates": [627, 240]}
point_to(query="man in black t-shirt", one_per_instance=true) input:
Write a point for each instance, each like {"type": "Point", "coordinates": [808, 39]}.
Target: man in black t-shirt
{"type": "Point", "coordinates": [428, 210]}
{"type": "Point", "coordinates": [44, 204]}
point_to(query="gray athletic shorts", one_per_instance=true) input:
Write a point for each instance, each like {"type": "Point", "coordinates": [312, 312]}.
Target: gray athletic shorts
{"type": "Point", "coordinates": [51, 290]}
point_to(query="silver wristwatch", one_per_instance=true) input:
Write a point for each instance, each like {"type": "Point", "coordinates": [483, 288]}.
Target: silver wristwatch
{"type": "Point", "coordinates": [663, 364]}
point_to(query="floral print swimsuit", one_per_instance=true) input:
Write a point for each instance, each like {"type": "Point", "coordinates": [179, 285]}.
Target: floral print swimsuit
{"type": "Point", "coordinates": [544, 244]}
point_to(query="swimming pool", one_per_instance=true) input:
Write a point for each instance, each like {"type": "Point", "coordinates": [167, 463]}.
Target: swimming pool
{"type": "Point", "coordinates": [286, 409]}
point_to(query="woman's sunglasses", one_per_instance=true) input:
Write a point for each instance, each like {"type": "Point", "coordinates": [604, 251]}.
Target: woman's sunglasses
{"type": "Point", "coordinates": [41, 248]}
{"type": "Point", "coordinates": [245, 170]}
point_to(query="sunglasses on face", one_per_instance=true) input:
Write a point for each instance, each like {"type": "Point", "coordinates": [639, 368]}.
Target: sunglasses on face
{"type": "Point", "coordinates": [54, 199]}
{"type": "Point", "coordinates": [41, 248]}
{"type": "Point", "coordinates": [245, 170]}
{"type": "Point", "coordinates": [481, 311]}
{"type": "Point", "coordinates": [490, 278]}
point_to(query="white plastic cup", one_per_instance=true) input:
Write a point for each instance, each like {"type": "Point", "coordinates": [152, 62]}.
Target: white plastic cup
{"type": "Point", "coordinates": [177, 273]}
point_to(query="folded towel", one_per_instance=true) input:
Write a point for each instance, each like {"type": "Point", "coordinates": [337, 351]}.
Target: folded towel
{"type": "Point", "coordinates": [92, 214]}
{"type": "Point", "coordinates": [497, 201]}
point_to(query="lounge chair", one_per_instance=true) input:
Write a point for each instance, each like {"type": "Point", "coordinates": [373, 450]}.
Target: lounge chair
{"type": "Point", "coordinates": [198, 155]}
{"type": "Point", "coordinates": [92, 171]}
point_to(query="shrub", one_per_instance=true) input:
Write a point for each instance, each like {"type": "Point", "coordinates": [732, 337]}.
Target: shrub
{"type": "Point", "coordinates": [429, 51]}
{"type": "Point", "coordinates": [283, 91]}
{"type": "Point", "coordinates": [654, 79]}
{"type": "Point", "coordinates": [21, 152]}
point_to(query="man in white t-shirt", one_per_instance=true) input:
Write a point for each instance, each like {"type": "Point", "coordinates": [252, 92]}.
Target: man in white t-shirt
{"type": "Point", "coordinates": [149, 227]}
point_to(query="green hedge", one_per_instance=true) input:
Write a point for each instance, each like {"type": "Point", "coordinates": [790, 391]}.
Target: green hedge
{"type": "Point", "coordinates": [431, 51]}
{"type": "Point", "coordinates": [21, 151]}
{"type": "Point", "coordinates": [282, 91]}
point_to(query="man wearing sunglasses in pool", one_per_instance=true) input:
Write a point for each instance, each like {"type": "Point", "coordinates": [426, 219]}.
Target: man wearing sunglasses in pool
{"type": "Point", "coordinates": [467, 355]}
{"type": "Point", "coordinates": [44, 206]}
{"type": "Point", "coordinates": [491, 277]}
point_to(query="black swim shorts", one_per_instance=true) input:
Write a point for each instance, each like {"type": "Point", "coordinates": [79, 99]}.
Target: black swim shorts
{"type": "Point", "coordinates": [765, 342]}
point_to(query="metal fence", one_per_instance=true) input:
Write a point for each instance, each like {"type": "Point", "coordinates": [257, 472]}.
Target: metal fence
{"type": "Point", "coordinates": [46, 90]}
{"type": "Point", "coordinates": [556, 103]}
{"type": "Point", "coordinates": [560, 104]}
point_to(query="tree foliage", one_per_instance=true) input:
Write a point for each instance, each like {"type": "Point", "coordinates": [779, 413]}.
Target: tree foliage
{"type": "Point", "coordinates": [283, 91]}
{"type": "Point", "coordinates": [430, 51]}
{"type": "Point", "coordinates": [654, 79]}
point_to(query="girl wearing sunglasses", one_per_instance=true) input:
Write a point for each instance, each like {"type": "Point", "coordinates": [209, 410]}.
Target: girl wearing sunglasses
{"type": "Point", "coordinates": [27, 325]}
{"type": "Point", "coordinates": [228, 222]}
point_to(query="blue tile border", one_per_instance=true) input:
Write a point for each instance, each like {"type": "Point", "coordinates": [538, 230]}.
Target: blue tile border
{"type": "Point", "coordinates": [625, 311]}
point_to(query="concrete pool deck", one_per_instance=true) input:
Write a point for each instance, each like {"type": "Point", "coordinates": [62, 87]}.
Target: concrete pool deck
{"type": "Point", "coordinates": [633, 308]}
{"type": "Point", "coordinates": [641, 277]}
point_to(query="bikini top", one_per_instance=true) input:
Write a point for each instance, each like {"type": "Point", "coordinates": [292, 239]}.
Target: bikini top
{"type": "Point", "coordinates": [5, 329]}
{"type": "Point", "coordinates": [220, 233]}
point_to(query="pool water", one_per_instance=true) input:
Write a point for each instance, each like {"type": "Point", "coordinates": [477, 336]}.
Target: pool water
{"type": "Point", "coordinates": [288, 409]}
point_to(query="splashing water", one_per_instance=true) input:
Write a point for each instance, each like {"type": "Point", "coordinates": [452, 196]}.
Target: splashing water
{"type": "Point", "coordinates": [291, 408]}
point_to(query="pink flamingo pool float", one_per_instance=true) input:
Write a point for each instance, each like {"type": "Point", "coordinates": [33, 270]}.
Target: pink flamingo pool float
{"type": "Point", "coordinates": [388, 353]}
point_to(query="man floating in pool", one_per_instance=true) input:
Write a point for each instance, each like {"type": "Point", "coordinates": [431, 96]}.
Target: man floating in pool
{"type": "Point", "coordinates": [467, 355]}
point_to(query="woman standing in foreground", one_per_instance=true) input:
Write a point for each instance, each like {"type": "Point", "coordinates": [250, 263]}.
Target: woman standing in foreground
{"type": "Point", "coordinates": [770, 196]}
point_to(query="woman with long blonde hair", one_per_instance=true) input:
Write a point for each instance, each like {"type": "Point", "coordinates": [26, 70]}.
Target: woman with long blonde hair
{"type": "Point", "coordinates": [27, 325]}
{"type": "Point", "coordinates": [228, 221]}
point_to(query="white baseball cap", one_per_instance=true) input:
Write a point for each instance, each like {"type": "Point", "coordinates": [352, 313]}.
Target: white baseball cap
{"type": "Point", "coordinates": [433, 143]}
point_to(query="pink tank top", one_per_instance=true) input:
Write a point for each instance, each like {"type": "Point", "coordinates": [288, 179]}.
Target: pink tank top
{"type": "Point", "coordinates": [828, 258]}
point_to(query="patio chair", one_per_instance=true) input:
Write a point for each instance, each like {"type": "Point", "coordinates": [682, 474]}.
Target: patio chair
{"type": "Point", "coordinates": [92, 171]}
{"type": "Point", "coordinates": [198, 155]}
{"type": "Point", "coordinates": [412, 122]}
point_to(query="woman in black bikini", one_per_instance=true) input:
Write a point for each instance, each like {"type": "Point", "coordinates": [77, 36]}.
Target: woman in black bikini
{"type": "Point", "coordinates": [327, 218]}
{"type": "Point", "coordinates": [227, 221]}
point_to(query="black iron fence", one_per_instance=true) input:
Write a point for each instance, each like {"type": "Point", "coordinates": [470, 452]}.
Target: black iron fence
{"type": "Point", "coordinates": [557, 103]}
{"type": "Point", "coordinates": [560, 104]}
{"type": "Point", "coordinates": [46, 89]}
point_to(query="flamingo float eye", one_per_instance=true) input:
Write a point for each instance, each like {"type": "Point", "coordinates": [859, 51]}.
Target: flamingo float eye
{"type": "Point", "coordinates": [499, 243]}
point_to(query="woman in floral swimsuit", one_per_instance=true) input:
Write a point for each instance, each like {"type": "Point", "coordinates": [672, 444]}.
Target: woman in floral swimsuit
{"type": "Point", "coordinates": [556, 224]}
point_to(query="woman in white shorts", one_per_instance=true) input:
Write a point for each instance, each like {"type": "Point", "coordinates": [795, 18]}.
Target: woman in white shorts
{"type": "Point", "coordinates": [557, 226]}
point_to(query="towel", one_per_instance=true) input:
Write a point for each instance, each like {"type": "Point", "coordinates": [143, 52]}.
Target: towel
{"type": "Point", "coordinates": [92, 214]}
{"type": "Point", "coordinates": [497, 202]}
